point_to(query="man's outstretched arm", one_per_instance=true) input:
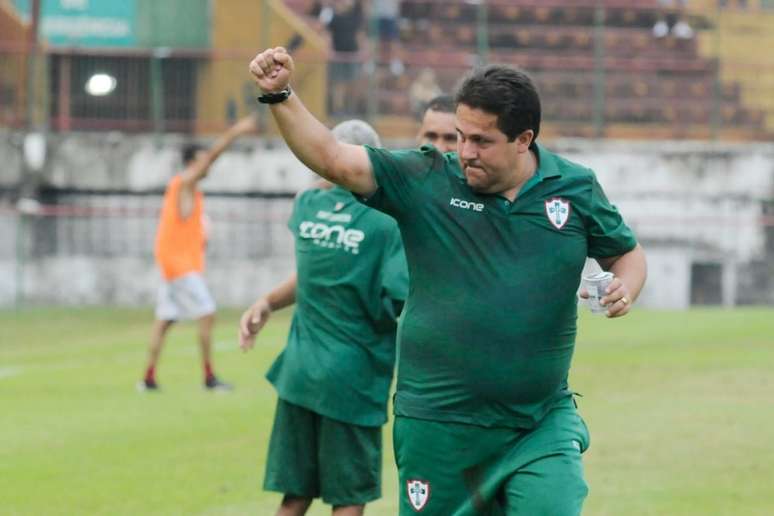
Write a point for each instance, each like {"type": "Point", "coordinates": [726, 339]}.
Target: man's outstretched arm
{"type": "Point", "coordinates": [198, 168]}
{"type": "Point", "coordinates": [257, 315]}
{"type": "Point", "coordinates": [341, 163]}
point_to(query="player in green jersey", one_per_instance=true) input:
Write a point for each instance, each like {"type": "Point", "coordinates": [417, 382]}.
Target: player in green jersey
{"type": "Point", "coordinates": [496, 237]}
{"type": "Point", "coordinates": [333, 377]}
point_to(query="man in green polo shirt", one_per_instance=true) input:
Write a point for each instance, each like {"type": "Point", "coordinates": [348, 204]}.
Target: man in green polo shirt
{"type": "Point", "coordinates": [438, 127]}
{"type": "Point", "coordinates": [334, 375]}
{"type": "Point", "coordinates": [496, 238]}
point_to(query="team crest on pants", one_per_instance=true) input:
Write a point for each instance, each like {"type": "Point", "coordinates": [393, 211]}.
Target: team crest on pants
{"type": "Point", "coordinates": [418, 493]}
{"type": "Point", "coordinates": [558, 211]}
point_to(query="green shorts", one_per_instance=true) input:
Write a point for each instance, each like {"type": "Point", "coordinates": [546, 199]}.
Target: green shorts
{"type": "Point", "coordinates": [314, 456]}
{"type": "Point", "coordinates": [452, 469]}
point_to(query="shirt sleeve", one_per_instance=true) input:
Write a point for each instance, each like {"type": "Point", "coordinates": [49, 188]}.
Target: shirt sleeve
{"type": "Point", "coordinates": [398, 176]}
{"type": "Point", "coordinates": [608, 234]}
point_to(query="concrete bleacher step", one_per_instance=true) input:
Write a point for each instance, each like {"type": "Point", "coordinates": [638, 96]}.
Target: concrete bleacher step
{"type": "Point", "coordinates": [623, 13]}
{"type": "Point", "coordinates": [578, 40]}
{"type": "Point", "coordinates": [738, 45]}
{"type": "Point", "coordinates": [647, 80]}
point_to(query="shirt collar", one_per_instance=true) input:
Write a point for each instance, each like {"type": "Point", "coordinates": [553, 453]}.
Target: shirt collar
{"type": "Point", "coordinates": [547, 166]}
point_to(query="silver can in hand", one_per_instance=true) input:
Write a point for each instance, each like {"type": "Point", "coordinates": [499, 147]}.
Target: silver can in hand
{"type": "Point", "coordinates": [595, 285]}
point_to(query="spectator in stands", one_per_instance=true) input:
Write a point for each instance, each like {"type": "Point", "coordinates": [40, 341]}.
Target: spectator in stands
{"type": "Point", "coordinates": [344, 22]}
{"type": "Point", "coordinates": [333, 377]}
{"type": "Point", "coordinates": [386, 13]}
{"type": "Point", "coordinates": [438, 126]}
{"type": "Point", "coordinates": [424, 89]}
{"type": "Point", "coordinates": [322, 12]}
{"type": "Point", "coordinates": [672, 19]}
{"type": "Point", "coordinates": [180, 245]}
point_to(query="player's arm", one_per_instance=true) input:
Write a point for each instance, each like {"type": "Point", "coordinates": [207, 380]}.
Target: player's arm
{"type": "Point", "coordinates": [630, 270]}
{"type": "Point", "coordinates": [255, 317]}
{"type": "Point", "coordinates": [312, 143]}
{"type": "Point", "coordinates": [197, 169]}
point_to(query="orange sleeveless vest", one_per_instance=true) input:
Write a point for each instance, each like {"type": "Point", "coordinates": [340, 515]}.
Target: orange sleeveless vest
{"type": "Point", "coordinates": [180, 243]}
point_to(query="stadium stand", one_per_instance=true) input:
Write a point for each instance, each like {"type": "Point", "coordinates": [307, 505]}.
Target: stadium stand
{"type": "Point", "coordinates": [600, 69]}
{"type": "Point", "coordinates": [744, 31]}
{"type": "Point", "coordinates": [642, 82]}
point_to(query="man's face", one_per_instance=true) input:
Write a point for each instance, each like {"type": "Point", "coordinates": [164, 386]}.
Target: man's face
{"type": "Point", "coordinates": [438, 129]}
{"type": "Point", "coordinates": [487, 158]}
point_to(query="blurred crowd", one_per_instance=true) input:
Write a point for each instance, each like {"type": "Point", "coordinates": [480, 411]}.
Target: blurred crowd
{"type": "Point", "coordinates": [349, 24]}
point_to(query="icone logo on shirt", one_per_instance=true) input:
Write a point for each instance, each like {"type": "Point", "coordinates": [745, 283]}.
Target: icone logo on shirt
{"type": "Point", "coordinates": [466, 205]}
{"type": "Point", "coordinates": [332, 236]}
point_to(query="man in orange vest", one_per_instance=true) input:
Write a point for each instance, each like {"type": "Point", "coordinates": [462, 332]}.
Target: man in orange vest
{"type": "Point", "coordinates": [180, 247]}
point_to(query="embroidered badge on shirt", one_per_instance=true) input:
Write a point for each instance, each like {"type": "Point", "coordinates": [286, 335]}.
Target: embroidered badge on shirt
{"type": "Point", "coordinates": [557, 211]}
{"type": "Point", "coordinates": [418, 493]}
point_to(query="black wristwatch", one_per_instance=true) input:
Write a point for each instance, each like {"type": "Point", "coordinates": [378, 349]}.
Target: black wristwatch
{"type": "Point", "coordinates": [276, 97]}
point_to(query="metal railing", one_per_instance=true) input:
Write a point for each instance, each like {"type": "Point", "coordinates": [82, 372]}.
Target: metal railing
{"type": "Point", "coordinates": [601, 68]}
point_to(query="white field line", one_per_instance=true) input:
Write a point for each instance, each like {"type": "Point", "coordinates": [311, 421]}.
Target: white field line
{"type": "Point", "coordinates": [7, 372]}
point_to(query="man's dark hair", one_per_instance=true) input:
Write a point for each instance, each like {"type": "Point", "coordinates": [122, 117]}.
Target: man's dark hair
{"type": "Point", "coordinates": [442, 103]}
{"type": "Point", "coordinates": [189, 151]}
{"type": "Point", "coordinates": [506, 92]}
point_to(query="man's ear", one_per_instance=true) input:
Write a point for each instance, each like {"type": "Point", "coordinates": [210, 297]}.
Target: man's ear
{"type": "Point", "coordinates": [524, 140]}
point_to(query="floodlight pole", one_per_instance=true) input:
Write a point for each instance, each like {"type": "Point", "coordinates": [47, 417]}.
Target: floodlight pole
{"type": "Point", "coordinates": [262, 109]}
{"type": "Point", "coordinates": [157, 91]}
{"type": "Point", "coordinates": [717, 90]}
{"type": "Point", "coordinates": [372, 66]}
{"type": "Point", "coordinates": [599, 71]}
{"type": "Point", "coordinates": [32, 53]}
{"type": "Point", "coordinates": [21, 225]}
{"type": "Point", "coordinates": [482, 32]}
{"type": "Point", "coordinates": [19, 283]}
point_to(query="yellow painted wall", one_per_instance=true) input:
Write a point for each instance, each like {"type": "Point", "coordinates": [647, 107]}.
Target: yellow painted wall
{"type": "Point", "coordinates": [743, 40]}
{"type": "Point", "coordinates": [13, 64]}
{"type": "Point", "coordinates": [239, 30]}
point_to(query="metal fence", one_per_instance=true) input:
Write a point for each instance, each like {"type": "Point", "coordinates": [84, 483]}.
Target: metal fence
{"type": "Point", "coordinates": [87, 247]}
{"type": "Point", "coordinates": [603, 68]}
{"type": "Point", "coordinates": [106, 224]}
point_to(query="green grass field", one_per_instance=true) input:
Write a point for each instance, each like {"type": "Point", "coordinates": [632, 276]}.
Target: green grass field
{"type": "Point", "coordinates": [679, 404]}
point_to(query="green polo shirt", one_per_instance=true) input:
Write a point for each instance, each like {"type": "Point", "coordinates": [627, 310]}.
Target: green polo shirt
{"type": "Point", "coordinates": [488, 330]}
{"type": "Point", "coordinates": [352, 281]}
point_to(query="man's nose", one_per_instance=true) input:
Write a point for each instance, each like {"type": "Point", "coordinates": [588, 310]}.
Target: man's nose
{"type": "Point", "coordinates": [468, 150]}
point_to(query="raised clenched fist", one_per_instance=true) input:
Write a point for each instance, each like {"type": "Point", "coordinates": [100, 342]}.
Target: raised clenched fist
{"type": "Point", "coordinates": [272, 69]}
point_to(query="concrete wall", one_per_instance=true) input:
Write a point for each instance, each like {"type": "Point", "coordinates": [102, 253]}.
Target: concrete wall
{"type": "Point", "coordinates": [115, 161]}
{"type": "Point", "coordinates": [693, 203]}
{"type": "Point", "coordinates": [690, 204]}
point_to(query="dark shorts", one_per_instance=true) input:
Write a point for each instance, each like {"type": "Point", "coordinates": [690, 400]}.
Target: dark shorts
{"type": "Point", "coordinates": [465, 470]}
{"type": "Point", "coordinates": [312, 456]}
